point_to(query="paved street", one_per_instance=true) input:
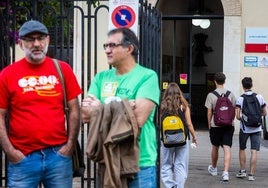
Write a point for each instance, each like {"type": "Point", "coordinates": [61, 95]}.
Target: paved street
{"type": "Point", "coordinates": [200, 159]}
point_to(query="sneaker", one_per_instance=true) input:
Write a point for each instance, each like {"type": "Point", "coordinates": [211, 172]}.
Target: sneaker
{"type": "Point", "coordinates": [241, 174]}
{"type": "Point", "coordinates": [225, 176]}
{"type": "Point", "coordinates": [212, 171]}
{"type": "Point", "coordinates": [251, 177]}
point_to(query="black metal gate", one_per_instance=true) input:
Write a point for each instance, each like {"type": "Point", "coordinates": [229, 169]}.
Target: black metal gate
{"type": "Point", "coordinates": [59, 17]}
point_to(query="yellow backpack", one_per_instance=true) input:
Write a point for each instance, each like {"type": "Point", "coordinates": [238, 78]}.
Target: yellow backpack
{"type": "Point", "coordinates": [174, 130]}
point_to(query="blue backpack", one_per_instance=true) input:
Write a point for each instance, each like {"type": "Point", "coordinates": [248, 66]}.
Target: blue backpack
{"type": "Point", "coordinates": [251, 111]}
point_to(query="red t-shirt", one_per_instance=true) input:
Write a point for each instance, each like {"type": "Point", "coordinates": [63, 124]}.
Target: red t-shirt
{"type": "Point", "coordinates": [33, 96]}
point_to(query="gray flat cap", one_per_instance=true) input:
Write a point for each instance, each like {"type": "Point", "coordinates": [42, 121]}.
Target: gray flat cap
{"type": "Point", "coordinates": [32, 26]}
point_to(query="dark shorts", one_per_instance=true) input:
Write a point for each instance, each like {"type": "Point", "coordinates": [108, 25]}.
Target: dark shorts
{"type": "Point", "coordinates": [255, 140]}
{"type": "Point", "coordinates": [220, 136]}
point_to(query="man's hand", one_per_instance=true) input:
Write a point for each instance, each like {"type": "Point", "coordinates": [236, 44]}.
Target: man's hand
{"type": "Point", "coordinates": [15, 156]}
{"type": "Point", "coordinates": [66, 149]}
{"type": "Point", "coordinates": [87, 104]}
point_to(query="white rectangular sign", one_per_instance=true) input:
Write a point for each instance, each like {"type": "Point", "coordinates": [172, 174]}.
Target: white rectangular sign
{"type": "Point", "coordinates": [257, 35]}
{"type": "Point", "coordinates": [256, 39]}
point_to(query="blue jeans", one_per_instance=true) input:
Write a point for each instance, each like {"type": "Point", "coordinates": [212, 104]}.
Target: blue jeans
{"type": "Point", "coordinates": [45, 166]}
{"type": "Point", "coordinates": [145, 178]}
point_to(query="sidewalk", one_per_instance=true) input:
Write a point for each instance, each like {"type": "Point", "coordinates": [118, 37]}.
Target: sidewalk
{"type": "Point", "coordinates": [200, 159]}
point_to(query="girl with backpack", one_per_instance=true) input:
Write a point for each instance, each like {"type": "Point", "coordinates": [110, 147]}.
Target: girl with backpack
{"type": "Point", "coordinates": [175, 160]}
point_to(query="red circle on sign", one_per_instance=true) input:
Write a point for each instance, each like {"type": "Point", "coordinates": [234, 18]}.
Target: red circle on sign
{"type": "Point", "coordinates": [123, 16]}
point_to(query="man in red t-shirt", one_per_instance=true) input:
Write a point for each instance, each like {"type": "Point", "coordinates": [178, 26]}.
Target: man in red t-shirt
{"type": "Point", "coordinates": [36, 142]}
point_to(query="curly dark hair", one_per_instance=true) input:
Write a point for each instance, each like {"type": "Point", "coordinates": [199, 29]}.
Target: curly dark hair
{"type": "Point", "coordinates": [173, 100]}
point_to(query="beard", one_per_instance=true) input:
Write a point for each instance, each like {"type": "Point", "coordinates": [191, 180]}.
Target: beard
{"type": "Point", "coordinates": [36, 57]}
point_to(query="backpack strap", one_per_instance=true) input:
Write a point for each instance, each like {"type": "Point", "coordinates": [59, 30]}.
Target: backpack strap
{"type": "Point", "coordinates": [254, 94]}
{"type": "Point", "coordinates": [164, 114]}
{"type": "Point", "coordinates": [227, 93]}
{"type": "Point", "coordinates": [218, 95]}
{"type": "Point", "coordinates": [182, 115]}
{"type": "Point", "coordinates": [241, 119]}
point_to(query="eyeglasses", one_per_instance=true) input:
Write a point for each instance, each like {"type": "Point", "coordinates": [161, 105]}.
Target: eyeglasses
{"type": "Point", "coordinates": [32, 39]}
{"type": "Point", "coordinates": [111, 45]}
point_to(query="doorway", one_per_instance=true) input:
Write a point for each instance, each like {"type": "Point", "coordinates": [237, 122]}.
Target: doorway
{"type": "Point", "coordinates": [192, 52]}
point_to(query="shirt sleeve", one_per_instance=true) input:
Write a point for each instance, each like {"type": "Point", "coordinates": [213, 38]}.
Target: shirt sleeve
{"type": "Point", "coordinates": [209, 102]}
{"type": "Point", "coordinates": [150, 89]}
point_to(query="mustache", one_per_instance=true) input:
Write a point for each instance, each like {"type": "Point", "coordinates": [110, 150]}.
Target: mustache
{"type": "Point", "coordinates": [37, 48]}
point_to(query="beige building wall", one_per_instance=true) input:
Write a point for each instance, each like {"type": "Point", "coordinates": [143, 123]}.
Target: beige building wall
{"type": "Point", "coordinates": [254, 14]}
{"type": "Point", "coordinates": [239, 14]}
{"type": "Point", "coordinates": [232, 47]}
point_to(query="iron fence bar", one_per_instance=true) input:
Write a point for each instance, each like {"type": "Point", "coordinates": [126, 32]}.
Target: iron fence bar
{"type": "Point", "coordinates": [89, 42]}
{"type": "Point", "coordinates": [88, 165]}
{"type": "Point", "coordinates": [191, 64]}
{"type": "Point", "coordinates": [82, 127]}
{"type": "Point", "coordinates": [7, 30]}
{"type": "Point", "coordinates": [149, 38]}
{"type": "Point", "coordinates": [34, 3]}
{"type": "Point", "coordinates": [82, 131]}
{"type": "Point", "coordinates": [2, 41]}
{"type": "Point", "coordinates": [95, 34]}
{"type": "Point", "coordinates": [174, 52]}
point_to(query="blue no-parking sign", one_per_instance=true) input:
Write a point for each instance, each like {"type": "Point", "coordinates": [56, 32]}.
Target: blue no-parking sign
{"type": "Point", "coordinates": [123, 16]}
{"type": "Point", "coordinates": [123, 13]}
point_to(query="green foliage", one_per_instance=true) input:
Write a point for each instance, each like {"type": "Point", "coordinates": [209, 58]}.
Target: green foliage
{"type": "Point", "coordinates": [95, 3]}
{"type": "Point", "coordinates": [17, 12]}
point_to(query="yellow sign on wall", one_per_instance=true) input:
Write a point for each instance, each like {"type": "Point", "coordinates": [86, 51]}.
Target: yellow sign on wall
{"type": "Point", "coordinates": [165, 85]}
